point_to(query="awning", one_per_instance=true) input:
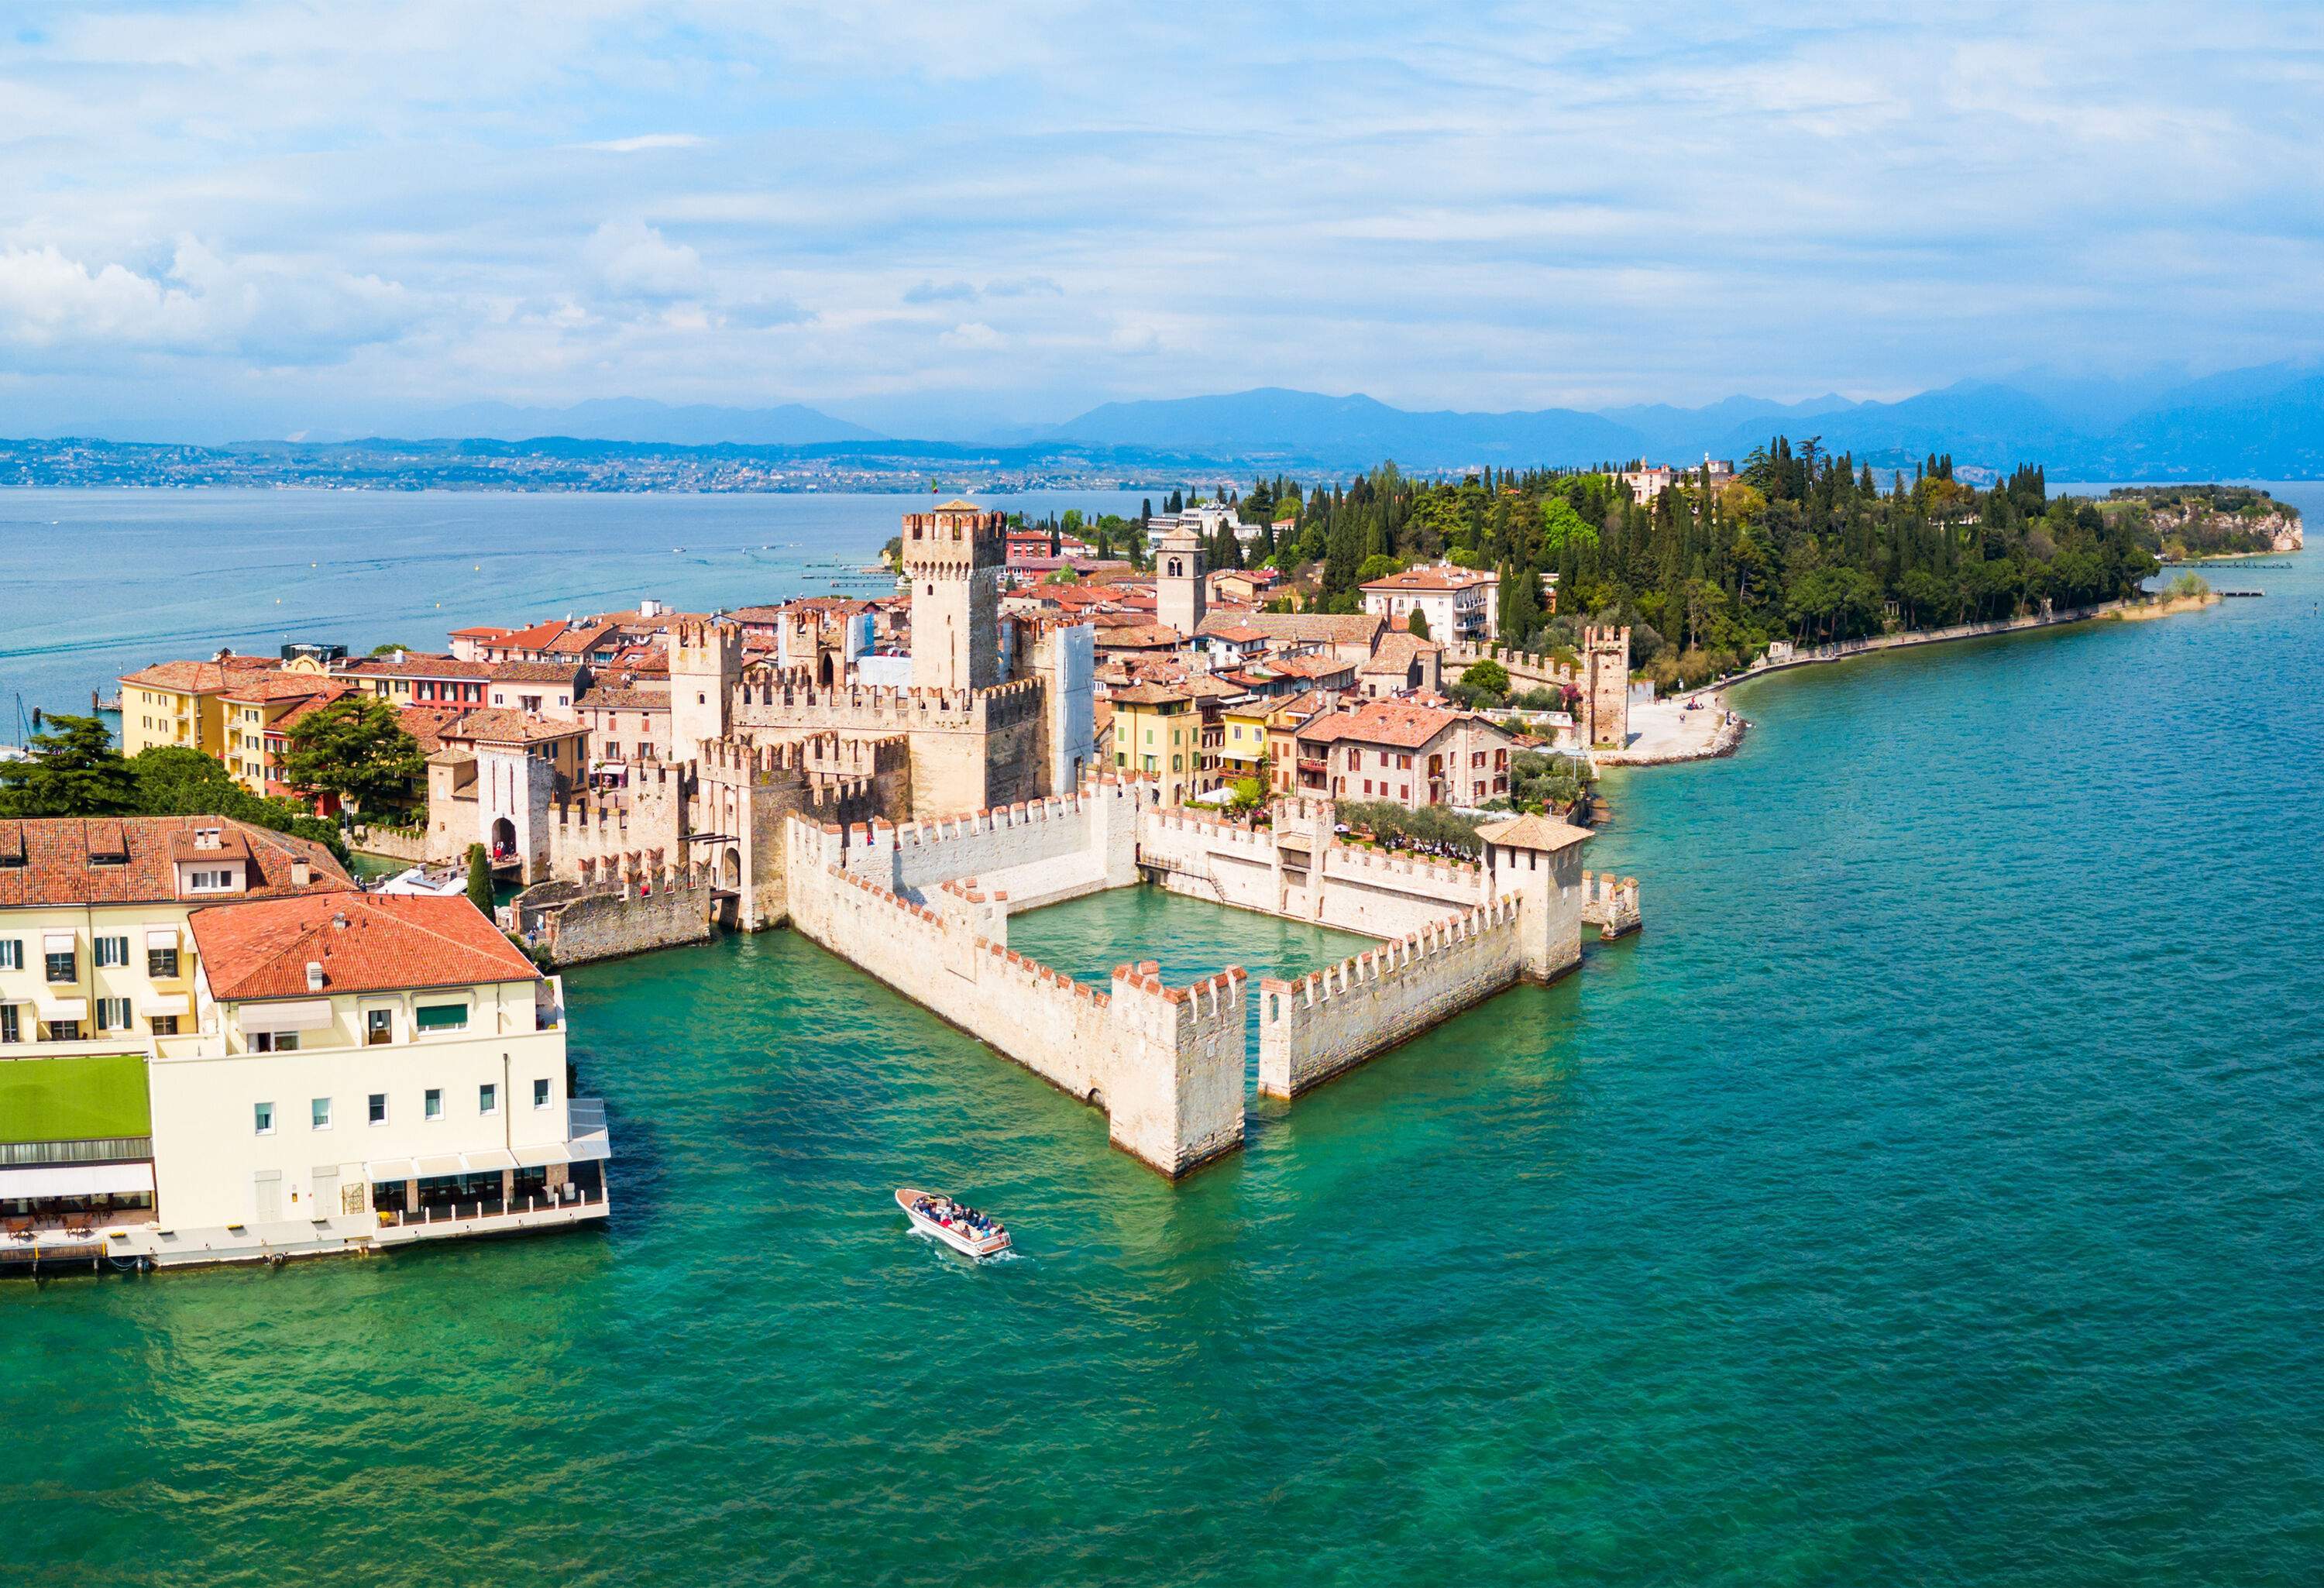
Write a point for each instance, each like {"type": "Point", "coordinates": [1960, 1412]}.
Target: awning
{"type": "Point", "coordinates": [100, 1179]}
{"type": "Point", "coordinates": [60, 942]}
{"type": "Point", "coordinates": [430, 1168]}
{"type": "Point", "coordinates": [62, 1009]}
{"type": "Point", "coordinates": [312, 1014]}
{"type": "Point", "coordinates": [583, 1149]}
{"type": "Point", "coordinates": [161, 937]}
{"type": "Point", "coordinates": [153, 1003]}
{"type": "Point", "coordinates": [486, 1161]}
{"type": "Point", "coordinates": [390, 1171]}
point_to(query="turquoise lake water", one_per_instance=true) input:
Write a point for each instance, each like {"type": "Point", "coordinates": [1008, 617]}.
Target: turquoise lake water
{"type": "Point", "coordinates": [1931, 1194]}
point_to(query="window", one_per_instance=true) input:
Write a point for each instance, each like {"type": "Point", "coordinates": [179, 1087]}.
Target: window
{"type": "Point", "coordinates": [12, 954]}
{"type": "Point", "coordinates": [488, 1098]}
{"type": "Point", "coordinates": [441, 1017]}
{"type": "Point", "coordinates": [321, 1108]}
{"type": "Point", "coordinates": [113, 1014]}
{"type": "Point", "coordinates": [379, 1027]}
{"type": "Point", "coordinates": [431, 1103]}
{"type": "Point", "coordinates": [262, 1118]}
{"type": "Point", "coordinates": [540, 1093]}
{"type": "Point", "coordinates": [274, 1042]}
{"type": "Point", "coordinates": [11, 1027]}
{"type": "Point", "coordinates": [64, 1031]}
{"type": "Point", "coordinates": [62, 967]}
{"type": "Point", "coordinates": [162, 964]}
{"type": "Point", "coordinates": [613, 750]}
{"type": "Point", "coordinates": [209, 881]}
{"type": "Point", "coordinates": [377, 1110]}
{"type": "Point", "coordinates": [165, 1025]}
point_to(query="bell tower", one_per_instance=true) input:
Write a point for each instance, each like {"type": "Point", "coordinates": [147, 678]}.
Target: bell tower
{"type": "Point", "coordinates": [1178, 581]}
{"type": "Point", "coordinates": [952, 558]}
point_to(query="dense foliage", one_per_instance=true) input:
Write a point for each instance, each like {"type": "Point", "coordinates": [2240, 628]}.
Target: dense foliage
{"type": "Point", "coordinates": [357, 750]}
{"type": "Point", "coordinates": [74, 770]}
{"type": "Point", "coordinates": [1432, 829]}
{"type": "Point", "coordinates": [1800, 545]}
{"type": "Point", "coordinates": [2202, 520]}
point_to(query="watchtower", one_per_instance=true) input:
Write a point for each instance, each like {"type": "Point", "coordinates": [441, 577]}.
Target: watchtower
{"type": "Point", "coordinates": [952, 557]}
{"type": "Point", "coordinates": [1606, 687]}
{"type": "Point", "coordinates": [706, 664]}
{"type": "Point", "coordinates": [1178, 581]}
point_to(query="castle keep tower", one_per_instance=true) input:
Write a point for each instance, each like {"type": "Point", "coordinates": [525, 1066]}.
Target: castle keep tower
{"type": "Point", "coordinates": [706, 663]}
{"type": "Point", "coordinates": [1178, 581]}
{"type": "Point", "coordinates": [952, 557]}
{"type": "Point", "coordinates": [1606, 687]}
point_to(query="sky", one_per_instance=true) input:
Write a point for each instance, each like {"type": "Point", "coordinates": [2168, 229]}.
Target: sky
{"type": "Point", "coordinates": [258, 217]}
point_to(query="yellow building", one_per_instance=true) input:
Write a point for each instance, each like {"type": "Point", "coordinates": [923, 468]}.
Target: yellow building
{"type": "Point", "coordinates": [254, 708]}
{"type": "Point", "coordinates": [1242, 741]}
{"type": "Point", "coordinates": [183, 702]}
{"type": "Point", "coordinates": [1156, 731]}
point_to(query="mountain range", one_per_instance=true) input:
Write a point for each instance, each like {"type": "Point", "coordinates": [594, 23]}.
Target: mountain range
{"type": "Point", "coordinates": [2262, 422]}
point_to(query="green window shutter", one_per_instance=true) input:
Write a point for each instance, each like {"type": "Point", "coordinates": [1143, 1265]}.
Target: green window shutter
{"type": "Point", "coordinates": [441, 1017]}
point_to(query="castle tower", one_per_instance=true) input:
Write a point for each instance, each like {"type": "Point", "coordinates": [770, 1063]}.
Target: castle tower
{"type": "Point", "coordinates": [1537, 860]}
{"type": "Point", "coordinates": [952, 558]}
{"type": "Point", "coordinates": [706, 665]}
{"type": "Point", "coordinates": [1606, 687]}
{"type": "Point", "coordinates": [1178, 581]}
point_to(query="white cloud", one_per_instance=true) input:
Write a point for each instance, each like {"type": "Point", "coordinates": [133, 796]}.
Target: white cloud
{"type": "Point", "coordinates": [632, 260]}
{"type": "Point", "coordinates": [646, 141]}
{"type": "Point", "coordinates": [971, 336]}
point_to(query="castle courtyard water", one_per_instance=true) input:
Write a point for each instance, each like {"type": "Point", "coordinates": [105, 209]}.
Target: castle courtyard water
{"type": "Point", "coordinates": [1929, 1194]}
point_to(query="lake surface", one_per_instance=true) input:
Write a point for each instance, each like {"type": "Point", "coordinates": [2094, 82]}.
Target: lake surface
{"type": "Point", "coordinates": [108, 581]}
{"type": "Point", "coordinates": [1931, 1194]}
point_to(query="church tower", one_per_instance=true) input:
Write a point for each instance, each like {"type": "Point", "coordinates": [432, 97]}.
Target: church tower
{"type": "Point", "coordinates": [1178, 581]}
{"type": "Point", "coordinates": [952, 557]}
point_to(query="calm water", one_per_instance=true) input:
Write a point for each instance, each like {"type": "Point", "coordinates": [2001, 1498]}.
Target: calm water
{"type": "Point", "coordinates": [1931, 1195]}
{"type": "Point", "coordinates": [107, 581]}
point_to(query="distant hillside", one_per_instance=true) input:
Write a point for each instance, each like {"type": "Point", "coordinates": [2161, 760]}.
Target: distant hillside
{"type": "Point", "coordinates": [1273, 425]}
{"type": "Point", "coordinates": [642, 420]}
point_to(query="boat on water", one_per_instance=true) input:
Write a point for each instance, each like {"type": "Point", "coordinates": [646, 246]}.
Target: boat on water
{"type": "Point", "coordinates": [956, 1225]}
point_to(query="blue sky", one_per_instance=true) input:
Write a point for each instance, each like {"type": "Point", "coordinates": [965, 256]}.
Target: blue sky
{"type": "Point", "coordinates": [253, 217]}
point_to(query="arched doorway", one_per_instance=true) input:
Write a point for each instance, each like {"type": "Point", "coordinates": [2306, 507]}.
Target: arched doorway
{"type": "Point", "coordinates": [823, 670]}
{"type": "Point", "coordinates": [730, 871]}
{"type": "Point", "coordinates": [503, 838]}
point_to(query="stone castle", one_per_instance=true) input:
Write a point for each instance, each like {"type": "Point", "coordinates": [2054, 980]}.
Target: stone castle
{"type": "Point", "coordinates": [996, 711]}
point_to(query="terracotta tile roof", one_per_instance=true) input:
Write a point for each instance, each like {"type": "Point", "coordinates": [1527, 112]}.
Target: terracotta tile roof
{"type": "Point", "coordinates": [1398, 651]}
{"type": "Point", "coordinates": [1330, 628]}
{"type": "Point", "coordinates": [425, 723]}
{"type": "Point", "coordinates": [265, 689]}
{"type": "Point", "coordinates": [1309, 666]}
{"type": "Point", "coordinates": [414, 666]}
{"type": "Point", "coordinates": [1304, 705]}
{"type": "Point", "coordinates": [1399, 723]}
{"type": "Point", "coordinates": [201, 677]}
{"type": "Point", "coordinates": [611, 700]}
{"type": "Point", "coordinates": [535, 638]}
{"type": "Point", "coordinates": [481, 632]}
{"type": "Point", "coordinates": [499, 725]}
{"type": "Point", "coordinates": [1533, 832]}
{"type": "Point", "coordinates": [580, 641]}
{"type": "Point", "coordinates": [1441, 576]}
{"type": "Point", "coordinates": [1235, 633]}
{"type": "Point", "coordinates": [364, 942]}
{"type": "Point", "coordinates": [533, 672]}
{"type": "Point", "coordinates": [308, 707]}
{"type": "Point", "coordinates": [1146, 694]}
{"type": "Point", "coordinates": [1139, 637]}
{"type": "Point", "coordinates": [55, 852]}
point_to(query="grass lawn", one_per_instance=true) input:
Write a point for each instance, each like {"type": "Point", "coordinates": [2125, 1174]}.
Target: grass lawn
{"type": "Point", "coordinates": [74, 1099]}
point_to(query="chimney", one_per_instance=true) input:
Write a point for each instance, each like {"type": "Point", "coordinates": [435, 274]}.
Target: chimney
{"type": "Point", "coordinates": [301, 875]}
{"type": "Point", "coordinates": [339, 920]}
{"type": "Point", "coordinates": [315, 973]}
{"type": "Point", "coordinates": [398, 656]}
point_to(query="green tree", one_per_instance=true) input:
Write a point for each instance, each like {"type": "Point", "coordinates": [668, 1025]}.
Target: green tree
{"type": "Point", "coordinates": [1489, 676]}
{"type": "Point", "coordinates": [1250, 794]}
{"type": "Point", "coordinates": [357, 749]}
{"type": "Point", "coordinates": [73, 769]}
{"type": "Point", "coordinates": [1417, 624]}
{"type": "Point", "coordinates": [1377, 565]}
{"type": "Point", "coordinates": [480, 879]}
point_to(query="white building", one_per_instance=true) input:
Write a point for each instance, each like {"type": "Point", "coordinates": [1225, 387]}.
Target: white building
{"type": "Point", "coordinates": [1204, 518]}
{"type": "Point", "coordinates": [218, 1050]}
{"type": "Point", "coordinates": [1458, 602]}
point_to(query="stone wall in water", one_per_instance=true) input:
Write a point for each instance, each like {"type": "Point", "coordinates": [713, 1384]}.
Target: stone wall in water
{"type": "Point", "coordinates": [1312, 1028]}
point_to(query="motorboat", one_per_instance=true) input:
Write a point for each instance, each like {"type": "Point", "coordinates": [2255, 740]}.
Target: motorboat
{"type": "Point", "coordinates": [957, 1225]}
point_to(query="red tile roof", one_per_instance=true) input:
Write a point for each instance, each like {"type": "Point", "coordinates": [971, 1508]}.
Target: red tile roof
{"type": "Point", "coordinates": [1435, 577]}
{"type": "Point", "coordinates": [47, 859]}
{"type": "Point", "coordinates": [364, 942]}
{"type": "Point", "coordinates": [203, 677]}
{"type": "Point", "coordinates": [1397, 722]}
{"type": "Point", "coordinates": [535, 638]}
{"type": "Point", "coordinates": [265, 689]}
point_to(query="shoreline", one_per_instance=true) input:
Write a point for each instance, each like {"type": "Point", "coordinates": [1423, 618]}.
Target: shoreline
{"type": "Point", "coordinates": [1712, 728]}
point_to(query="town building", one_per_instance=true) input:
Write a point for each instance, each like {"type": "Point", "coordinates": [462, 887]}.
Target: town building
{"type": "Point", "coordinates": [1411, 755]}
{"type": "Point", "coordinates": [1157, 731]}
{"type": "Point", "coordinates": [1404, 664]}
{"type": "Point", "coordinates": [257, 708]}
{"type": "Point", "coordinates": [1178, 592]}
{"type": "Point", "coordinates": [183, 702]}
{"type": "Point", "coordinates": [1456, 602]}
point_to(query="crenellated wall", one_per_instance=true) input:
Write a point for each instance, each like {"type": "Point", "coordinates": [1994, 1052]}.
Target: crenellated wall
{"type": "Point", "coordinates": [1165, 1063]}
{"type": "Point", "coordinates": [1297, 868]}
{"type": "Point", "coordinates": [969, 749]}
{"type": "Point", "coordinates": [1313, 1027]}
{"type": "Point", "coordinates": [628, 905]}
{"type": "Point", "coordinates": [1039, 851]}
{"type": "Point", "coordinates": [1610, 903]}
